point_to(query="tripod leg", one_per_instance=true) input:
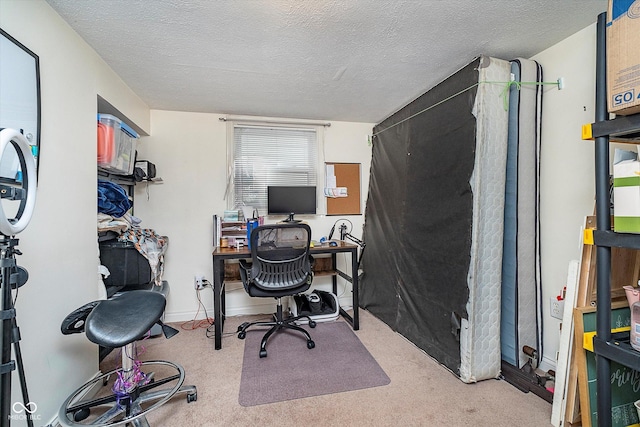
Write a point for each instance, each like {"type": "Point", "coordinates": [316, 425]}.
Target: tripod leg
{"type": "Point", "coordinates": [21, 376]}
{"type": "Point", "coordinates": [10, 334]}
{"type": "Point", "coordinates": [6, 364]}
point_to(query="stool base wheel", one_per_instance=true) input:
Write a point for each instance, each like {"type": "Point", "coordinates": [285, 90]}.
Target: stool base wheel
{"type": "Point", "coordinates": [103, 408]}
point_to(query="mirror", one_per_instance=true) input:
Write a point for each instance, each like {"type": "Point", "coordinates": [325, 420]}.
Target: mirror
{"type": "Point", "coordinates": [19, 99]}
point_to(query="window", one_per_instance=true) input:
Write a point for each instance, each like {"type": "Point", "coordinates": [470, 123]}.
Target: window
{"type": "Point", "coordinates": [268, 155]}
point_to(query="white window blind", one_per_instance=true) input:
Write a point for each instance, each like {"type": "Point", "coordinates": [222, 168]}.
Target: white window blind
{"type": "Point", "coordinates": [264, 156]}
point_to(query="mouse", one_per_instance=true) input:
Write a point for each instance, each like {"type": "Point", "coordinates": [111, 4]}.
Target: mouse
{"type": "Point", "coordinates": [333, 244]}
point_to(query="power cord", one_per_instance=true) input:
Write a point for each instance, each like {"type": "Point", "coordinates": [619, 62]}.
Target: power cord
{"type": "Point", "coordinates": [207, 322]}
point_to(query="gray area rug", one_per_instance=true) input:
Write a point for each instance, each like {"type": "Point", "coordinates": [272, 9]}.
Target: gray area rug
{"type": "Point", "coordinates": [338, 363]}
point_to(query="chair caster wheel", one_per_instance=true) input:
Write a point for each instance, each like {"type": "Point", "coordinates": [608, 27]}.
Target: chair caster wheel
{"type": "Point", "coordinates": [242, 326]}
{"type": "Point", "coordinates": [81, 414]}
{"type": "Point", "coordinates": [263, 353]}
{"type": "Point", "coordinates": [312, 323]}
{"type": "Point", "coordinates": [192, 397]}
{"type": "Point", "coordinates": [242, 335]}
{"type": "Point", "coordinates": [310, 344]}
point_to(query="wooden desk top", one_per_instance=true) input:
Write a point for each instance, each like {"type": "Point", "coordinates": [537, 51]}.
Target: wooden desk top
{"type": "Point", "coordinates": [244, 252]}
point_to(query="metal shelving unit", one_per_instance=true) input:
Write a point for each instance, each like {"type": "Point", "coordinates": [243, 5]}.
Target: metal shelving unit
{"type": "Point", "coordinates": [620, 129]}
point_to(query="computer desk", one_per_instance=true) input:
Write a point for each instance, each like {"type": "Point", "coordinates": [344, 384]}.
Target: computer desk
{"type": "Point", "coordinates": [220, 255]}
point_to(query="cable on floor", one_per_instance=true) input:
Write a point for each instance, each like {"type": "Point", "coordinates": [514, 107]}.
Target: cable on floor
{"type": "Point", "coordinates": [207, 322]}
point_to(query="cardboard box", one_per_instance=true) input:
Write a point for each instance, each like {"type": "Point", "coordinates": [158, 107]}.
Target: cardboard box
{"type": "Point", "coordinates": [623, 57]}
{"type": "Point", "coordinates": [626, 196]}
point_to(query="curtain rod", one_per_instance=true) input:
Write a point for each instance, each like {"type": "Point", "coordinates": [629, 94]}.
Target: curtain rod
{"type": "Point", "coordinates": [274, 121]}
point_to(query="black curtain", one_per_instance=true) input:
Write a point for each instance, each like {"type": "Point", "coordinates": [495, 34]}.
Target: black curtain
{"type": "Point", "coordinates": [419, 216]}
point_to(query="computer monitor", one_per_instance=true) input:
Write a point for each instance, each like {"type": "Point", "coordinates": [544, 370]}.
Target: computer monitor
{"type": "Point", "coordinates": [291, 200]}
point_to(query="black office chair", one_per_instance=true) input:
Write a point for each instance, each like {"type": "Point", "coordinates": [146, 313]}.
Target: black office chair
{"type": "Point", "coordinates": [280, 267]}
{"type": "Point", "coordinates": [118, 323]}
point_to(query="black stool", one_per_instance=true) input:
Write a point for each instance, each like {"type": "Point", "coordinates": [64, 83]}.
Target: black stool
{"type": "Point", "coordinates": [119, 323]}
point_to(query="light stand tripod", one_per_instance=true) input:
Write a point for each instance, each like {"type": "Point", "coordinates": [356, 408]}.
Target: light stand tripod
{"type": "Point", "coordinates": [12, 276]}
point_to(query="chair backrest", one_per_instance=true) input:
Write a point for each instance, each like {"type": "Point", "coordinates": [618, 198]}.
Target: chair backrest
{"type": "Point", "coordinates": [280, 255]}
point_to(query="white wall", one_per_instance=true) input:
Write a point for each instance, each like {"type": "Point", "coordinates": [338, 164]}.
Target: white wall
{"type": "Point", "coordinates": [567, 165]}
{"type": "Point", "coordinates": [189, 150]}
{"type": "Point", "coordinates": [59, 245]}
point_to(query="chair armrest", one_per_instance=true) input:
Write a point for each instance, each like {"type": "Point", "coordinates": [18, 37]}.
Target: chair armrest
{"type": "Point", "coordinates": [245, 272]}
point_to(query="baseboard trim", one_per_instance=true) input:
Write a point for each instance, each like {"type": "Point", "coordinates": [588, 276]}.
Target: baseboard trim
{"type": "Point", "coordinates": [262, 306]}
{"type": "Point", "coordinates": [55, 422]}
{"type": "Point", "coordinates": [185, 316]}
{"type": "Point", "coordinates": [547, 364]}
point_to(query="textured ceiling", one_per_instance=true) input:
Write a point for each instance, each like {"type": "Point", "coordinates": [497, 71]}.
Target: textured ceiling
{"type": "Point", "coordinates": [349, 60]}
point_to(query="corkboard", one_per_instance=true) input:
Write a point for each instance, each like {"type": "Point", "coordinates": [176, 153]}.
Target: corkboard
{"type": "Point", "coordinates": [347, 175]}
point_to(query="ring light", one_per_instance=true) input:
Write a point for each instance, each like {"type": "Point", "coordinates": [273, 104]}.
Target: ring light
{"type": "Point", "coordinates": [11, 137]}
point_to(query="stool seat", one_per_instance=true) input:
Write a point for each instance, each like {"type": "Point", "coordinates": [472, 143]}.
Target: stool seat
{"type": "Point", "coordinates": [125, 319]}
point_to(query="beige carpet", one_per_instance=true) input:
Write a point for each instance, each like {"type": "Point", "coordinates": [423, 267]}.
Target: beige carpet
{"type": "Point", "coordinates": [421, 392]}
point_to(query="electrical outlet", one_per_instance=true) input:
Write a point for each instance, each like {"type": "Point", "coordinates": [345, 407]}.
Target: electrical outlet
{"type": "Point", "coordinates": [557, 308]}
{"type": "Point", "coordinates": [198, 282]}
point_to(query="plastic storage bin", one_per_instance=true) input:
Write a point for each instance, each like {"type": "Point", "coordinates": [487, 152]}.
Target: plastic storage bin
{"type": "Point", "coordinates": [116, 145]}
